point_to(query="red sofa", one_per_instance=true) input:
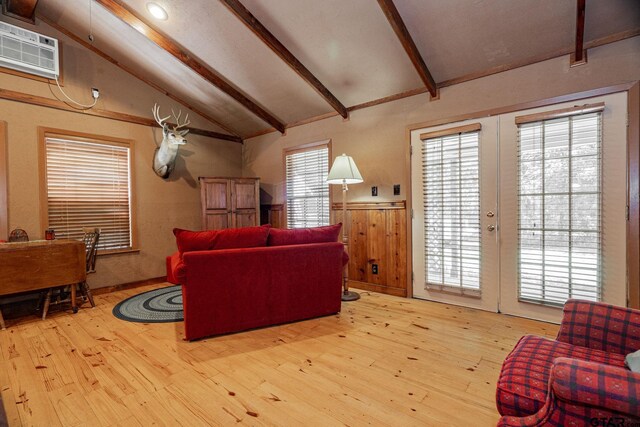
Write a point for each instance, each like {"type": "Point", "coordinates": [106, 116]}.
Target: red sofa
{"type": "Point", "coordinates": [580, 377]}
{"type": "Point", "coordinates": [230, 290]}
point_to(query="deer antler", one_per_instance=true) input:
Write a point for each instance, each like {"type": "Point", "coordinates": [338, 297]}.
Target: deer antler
{"type": "Point", "coordinates": [186, 120]}
{"type": "Point", "coordinates": [156, 115]}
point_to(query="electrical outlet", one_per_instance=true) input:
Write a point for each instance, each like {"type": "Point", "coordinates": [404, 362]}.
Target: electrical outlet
{"type": "Point", "coordinates": [374, 268]}
{"type": "Point", "coordinates": [374, 191]}
{"type": "Point", "coordinates": [396, 189]}
{"type": "Point", "coordinates": [95, 93]}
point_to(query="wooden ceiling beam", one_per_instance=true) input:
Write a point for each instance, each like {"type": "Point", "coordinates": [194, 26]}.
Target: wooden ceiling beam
{"type": "Point", "coordinates": [276, 46]}
{"type": "Point", "coordinates": [394, 18]}
{"type": "Point", "coordinates": [119, 9]}
{"type": "Point", "coordinates": [579, 55]}
{"type": "Point", "coordinates": [41, 101]}
{"type": "Point", "coordinates": [135, 74]}
{"type": "Point", "coordinates": [23, 10]}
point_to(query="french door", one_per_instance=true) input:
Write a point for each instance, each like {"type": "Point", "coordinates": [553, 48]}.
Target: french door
{"type": "Point", "coordinates": [517, 213]}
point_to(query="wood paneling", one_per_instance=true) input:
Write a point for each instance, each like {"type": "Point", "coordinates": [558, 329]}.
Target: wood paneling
{"type": "Point", "coordinates": [376, 235]}
{"type": "Point", "coordinates": [273, 215]}
{"type": "Point", "coordinates": [4, 201]}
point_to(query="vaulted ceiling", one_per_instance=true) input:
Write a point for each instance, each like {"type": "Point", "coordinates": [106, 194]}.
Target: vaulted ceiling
{"type": "Point", "coordinates": [206, 55]}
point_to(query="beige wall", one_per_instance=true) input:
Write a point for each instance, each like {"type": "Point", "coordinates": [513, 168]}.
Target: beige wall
{"type": "Point", "coordinates": [160, 205]}
{"type": "Point", "coordinates": [376, 137]}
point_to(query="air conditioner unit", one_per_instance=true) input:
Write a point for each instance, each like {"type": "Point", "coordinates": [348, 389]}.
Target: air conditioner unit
{"type": "Point", "coordinates": [29, 52]}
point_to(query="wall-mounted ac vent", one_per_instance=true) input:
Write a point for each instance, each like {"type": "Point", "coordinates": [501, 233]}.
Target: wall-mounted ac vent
{"type": "Point", "coordinates": [27, 51]}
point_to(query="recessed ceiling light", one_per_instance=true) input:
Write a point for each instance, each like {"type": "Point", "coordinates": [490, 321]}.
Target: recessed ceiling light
{"type": "Point", "coordinates": [157, 11]}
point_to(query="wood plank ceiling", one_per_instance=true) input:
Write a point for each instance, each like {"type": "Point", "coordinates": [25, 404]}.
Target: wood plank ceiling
{"type": "Point", "coordinates": [253, 66]}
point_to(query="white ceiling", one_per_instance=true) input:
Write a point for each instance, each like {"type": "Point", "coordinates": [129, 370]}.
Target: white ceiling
{"type": "Point", "coordinates": [348, 45]}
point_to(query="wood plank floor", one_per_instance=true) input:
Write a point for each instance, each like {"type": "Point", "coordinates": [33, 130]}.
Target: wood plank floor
{"type": "Point", "coordinates": [383, 361]}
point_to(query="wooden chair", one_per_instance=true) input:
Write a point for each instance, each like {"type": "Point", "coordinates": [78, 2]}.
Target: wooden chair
{"type": "Point", "coordinates": [90, 238]}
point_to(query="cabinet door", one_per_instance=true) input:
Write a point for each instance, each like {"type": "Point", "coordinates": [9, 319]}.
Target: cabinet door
{"type": "Point", "coordinates": [217, 220]}
{"type": "Point", "coordinates": [216, 204]}
{"type": "Point", "coordinates": [245, 202]}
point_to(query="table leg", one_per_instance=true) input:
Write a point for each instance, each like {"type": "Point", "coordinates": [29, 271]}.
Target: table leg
{"type": "Point", "coordinates": [2, 325]}
{"type": "Point", "coordinates": [74, 306]}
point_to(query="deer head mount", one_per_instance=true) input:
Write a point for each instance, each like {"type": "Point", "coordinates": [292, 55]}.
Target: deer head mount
{"type": "Point", "coordinates": [164, 158]}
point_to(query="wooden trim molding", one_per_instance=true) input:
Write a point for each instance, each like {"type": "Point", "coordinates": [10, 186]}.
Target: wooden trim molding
{"type": "Point", "coordinates": [556, 114]}
{"type": "Point", "coordinates": [132, 72]}
{"type": "Point", "coordinates": [633, 188]}
{"type": "Point", "coordinates": [119, 9]}
{"type": "Point", "coordinates": [474, 127]}
{"type": "Point", "coordinates": [579, 57]}
{"type": "Point", "coordinates": [524, 106]}
{"type": "Point", "coordinates": [44, 132]}
{"type": "Point", "coordinates": [469, 77]}
{"type": "Point", "coordinates": [113, 115]}
{"type": "Point", "coordinates": [393, 16]}
{"type": "Point", "coordinates": [4, 173]}
{"type": "Point", "coordinates": [402, 204]}
{"type": "Point", "coordinates": [251, 22]}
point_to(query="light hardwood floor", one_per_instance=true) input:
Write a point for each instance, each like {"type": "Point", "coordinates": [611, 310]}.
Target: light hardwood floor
{"type": "Point", "coordinates": [383, 361]}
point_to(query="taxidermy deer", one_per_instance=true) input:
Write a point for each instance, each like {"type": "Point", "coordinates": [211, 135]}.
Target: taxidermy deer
{"type": "Point", "coordinates": [164, 158]}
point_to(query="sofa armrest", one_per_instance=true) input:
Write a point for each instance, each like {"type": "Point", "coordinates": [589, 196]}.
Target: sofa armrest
{"type": "Point", "coordinates": [600, 326]}
{"type": "Point", "coordinates": [595, 384]}
{"type": "Point", "coordinates": [581, 393]}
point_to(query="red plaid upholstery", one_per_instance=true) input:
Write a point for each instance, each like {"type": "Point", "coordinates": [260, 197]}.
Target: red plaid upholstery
{"type": "Point", "coordinates": [580, 378]}
{"type": "Point", "coordinates": [586, 393]}
{"type": "Point", "coordinates": [600, 326]}
{"type": "Point", "coordinates": [524, 379]}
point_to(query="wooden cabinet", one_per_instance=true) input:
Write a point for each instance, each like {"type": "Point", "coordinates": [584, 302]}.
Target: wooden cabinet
{"type": "Point", "coordinates": [229, 202]}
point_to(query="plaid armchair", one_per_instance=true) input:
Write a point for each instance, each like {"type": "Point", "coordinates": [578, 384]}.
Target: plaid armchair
{"type": "Point", "coordinates": [577, 379]}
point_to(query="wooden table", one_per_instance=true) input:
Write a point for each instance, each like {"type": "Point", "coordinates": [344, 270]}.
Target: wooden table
{"type": "Point", "coordinates": [41, 264]}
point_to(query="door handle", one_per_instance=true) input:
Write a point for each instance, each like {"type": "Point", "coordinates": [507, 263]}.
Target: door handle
{"type": "Point", "coordinates": [491, 227]}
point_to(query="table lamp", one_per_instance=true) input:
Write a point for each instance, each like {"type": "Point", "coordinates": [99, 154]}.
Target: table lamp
{"type": "Point", "coordinates": [344, 171]}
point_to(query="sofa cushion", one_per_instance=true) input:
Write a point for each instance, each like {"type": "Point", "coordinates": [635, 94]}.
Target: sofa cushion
{"type": "Point", "coordinates": [231, 238]}
{"type": "Point", "coordinates": [301, 236]}
{"type": "Point", "coordinates": [237, 238]}
{"type": "Point", "coordinates": [524, 378]}
{"type": "Point", "coordinates": [188, 240]}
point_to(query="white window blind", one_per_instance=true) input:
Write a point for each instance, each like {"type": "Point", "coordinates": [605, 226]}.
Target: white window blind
{"type": "Point", "coordinates": [307, 188]}
{"type": "Point", "coordinates": [451, 185]}
{"type": "Point", "coordinates": [88, 185]}
{"type": "Point", "coordinates": [559, 202]}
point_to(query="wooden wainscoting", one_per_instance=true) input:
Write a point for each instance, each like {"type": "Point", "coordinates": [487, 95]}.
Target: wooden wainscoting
{"type": "Point", "coordinates": [377, 235]}
{"type": "Point", "coordinates": [272, 214]}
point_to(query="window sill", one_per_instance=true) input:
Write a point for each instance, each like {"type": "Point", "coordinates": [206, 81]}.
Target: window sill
{"type": "Point", "coordinates": [117, 252]}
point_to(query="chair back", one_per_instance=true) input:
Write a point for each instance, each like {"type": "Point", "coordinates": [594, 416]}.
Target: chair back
{"type": "Point", "coordinates": [90, 239]}
{"type": "Point", "coordinates": [18, 235]}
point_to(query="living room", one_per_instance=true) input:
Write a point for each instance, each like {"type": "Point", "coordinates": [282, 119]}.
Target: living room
{"type": "Point", "coordinates": [490, 175]}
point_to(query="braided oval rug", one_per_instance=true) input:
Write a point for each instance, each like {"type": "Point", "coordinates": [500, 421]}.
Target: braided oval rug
{"type": "Point", "coordinates": [156, 306]}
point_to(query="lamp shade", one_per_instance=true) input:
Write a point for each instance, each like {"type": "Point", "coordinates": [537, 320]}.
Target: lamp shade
{"type": "Point", "coordinates": [344, 171]}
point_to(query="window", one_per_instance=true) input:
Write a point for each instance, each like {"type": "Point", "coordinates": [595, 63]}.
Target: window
{"type": "Point", "coordinates": [559, 201]}
{"type": "Point", "coordinates": [452, 211]}
{"type": "Point", "coordinates": [306, 171]}
{"type": "Point", "coordinates": [88, 184]}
